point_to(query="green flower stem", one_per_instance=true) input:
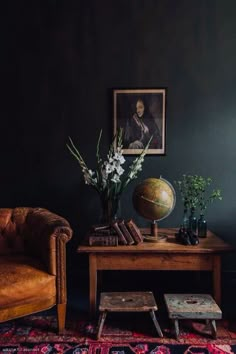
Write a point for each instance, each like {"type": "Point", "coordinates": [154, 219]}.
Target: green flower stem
{"type": "Point", "coordinates": [108, 178]}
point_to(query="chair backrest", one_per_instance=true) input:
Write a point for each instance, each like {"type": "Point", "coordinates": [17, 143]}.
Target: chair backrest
{"type": "Point", "coordinates": [13, 230]}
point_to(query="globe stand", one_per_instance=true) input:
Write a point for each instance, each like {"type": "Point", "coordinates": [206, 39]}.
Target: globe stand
{"type": "Point", "coordinates": [154, 199]}
{"type": "Point", "coordinates": [155, 236]}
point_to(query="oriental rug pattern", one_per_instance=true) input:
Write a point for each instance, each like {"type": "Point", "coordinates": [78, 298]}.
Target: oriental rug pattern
{"type": "Point", "coordinates": [37, 333]}
{"type": "Point", "coordinates": [111, 348]}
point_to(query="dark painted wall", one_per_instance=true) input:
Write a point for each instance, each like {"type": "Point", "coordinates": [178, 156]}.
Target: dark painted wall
{"type": "Point", "coordinates": [60, 61]}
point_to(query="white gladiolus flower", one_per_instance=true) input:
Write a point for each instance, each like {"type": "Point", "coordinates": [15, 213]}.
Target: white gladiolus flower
{"type": "Point", "coordinates": [115, 179]}
{"type": "Point", "coordinates": [116, 156]}
{"type": "Point", "coordinates": [87, 178]}
{"type": "Point", "coordinates": [119, 157]}
{"type": "Point", "coordinates": [108, 169]}
{"type": "Point", "coordinates": [109, 178]}
{"type": "Point", "coordinates": [120, 170]}
{"type": "Point", "coordinates": [122, 160]}
{"type": "Point", "coordinates": [133, 175]}
{"type": "Point", "coordinates": [104, 174]}
{"type": "Point", "coordinates": [110, 159]}
{"type": "Point", "coordinates": [104, 182]}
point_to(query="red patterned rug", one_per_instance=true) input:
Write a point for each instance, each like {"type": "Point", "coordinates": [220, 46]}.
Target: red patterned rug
{"type": "Point", "coordinates": [114, 348]}
{"type": "Point", "coordinates": [36, 333]}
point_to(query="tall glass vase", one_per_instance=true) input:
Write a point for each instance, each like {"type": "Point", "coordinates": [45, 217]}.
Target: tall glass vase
{"type": "Point", "coordinates": [202, 226]}
{"type": "Point", "coordinates": [185, 221]}
{"type": "Point", "coordinates": [110, 208]}
{"type": "Point", "coordinates": [192, 221]}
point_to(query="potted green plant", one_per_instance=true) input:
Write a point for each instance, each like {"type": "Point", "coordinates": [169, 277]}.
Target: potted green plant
{"type": "Point", "coordinates": [195, 194]}
{"type": "Point", "coordinates": [190, 193]}
{"type": "Point", "coordinates": [206, 197]}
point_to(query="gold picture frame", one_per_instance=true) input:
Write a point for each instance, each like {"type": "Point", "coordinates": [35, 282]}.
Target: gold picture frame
{"type": "Point", "coordinates": [141, 113]}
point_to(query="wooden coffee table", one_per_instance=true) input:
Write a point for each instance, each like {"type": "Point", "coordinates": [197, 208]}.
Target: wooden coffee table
{"type": "Point", "coordinates": [168, 255]}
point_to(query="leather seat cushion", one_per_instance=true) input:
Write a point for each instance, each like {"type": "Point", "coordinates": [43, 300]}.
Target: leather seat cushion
{"type": "Point", "coordinates": [23, 280]}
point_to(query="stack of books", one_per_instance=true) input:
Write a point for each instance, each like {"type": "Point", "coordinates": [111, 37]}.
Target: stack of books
{"type": "Point", "coordinates": [102, 235]}
{"type": "Point", "coordinates": [119, 232]}
{"type": "Point", "coordinates": [128, 232]}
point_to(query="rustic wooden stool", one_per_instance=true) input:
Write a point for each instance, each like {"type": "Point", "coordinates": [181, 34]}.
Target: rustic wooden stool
{"type": "Point", "coordinates": [192, 306]}
{"type": "Point", "coordinates": [127, 302]}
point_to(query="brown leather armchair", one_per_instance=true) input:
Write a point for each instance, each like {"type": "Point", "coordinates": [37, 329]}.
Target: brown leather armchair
{"type": "Point", "coordinates": [32, 263]}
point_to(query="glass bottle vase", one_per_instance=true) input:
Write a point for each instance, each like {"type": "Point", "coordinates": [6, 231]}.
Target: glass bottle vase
{"type": "Point", "coordinates": [202, 226]}
{"type": "Point", "coordinates": [185, 221]}
{"type": "Point", "coordinates": [110, 209]}
{"type": "Point", "coordinates": [192, 221]}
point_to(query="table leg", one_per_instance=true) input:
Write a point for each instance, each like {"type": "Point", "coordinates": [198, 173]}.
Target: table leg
{"type": "Point", "coordinates": [92, 283]}
{"type": "Point", "coordinates": [217, 279]}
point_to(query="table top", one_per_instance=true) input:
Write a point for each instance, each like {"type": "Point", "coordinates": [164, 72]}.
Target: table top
{"type": "Point", "coordinates": [210, 244]}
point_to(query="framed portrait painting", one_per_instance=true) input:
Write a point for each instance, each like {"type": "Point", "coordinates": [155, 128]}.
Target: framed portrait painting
{"type": "Point", "coordinates": [141, 113]}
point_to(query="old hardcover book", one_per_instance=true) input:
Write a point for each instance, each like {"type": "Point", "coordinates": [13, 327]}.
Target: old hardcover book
{"type": "Point", "coordinates": [105, 232]}
{"type": "Point", "coordinates": [95, 240]}
{"type": "Point", "coordinates": [102, 230]}
{"type": "Point", "coordinates": [121, 237]}
{"type": "Point", "coordinates": [126, 232]}
{"type": "Point", "coordinates": [99, 227]}
{"type": "Point", "coordinates": [134, 231]}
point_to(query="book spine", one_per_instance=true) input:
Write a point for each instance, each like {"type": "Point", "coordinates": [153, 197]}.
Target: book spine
{"type": "Point", "coordinates": [126, 233]}
{"type": "Point", "coordinates": [121, 237]}
{"type": "Point", "coordinates": [103, 240]}
{"type": "Point", "coordinates": [100, 227]}
{"type": "Point", "coordinates": [135, 232]}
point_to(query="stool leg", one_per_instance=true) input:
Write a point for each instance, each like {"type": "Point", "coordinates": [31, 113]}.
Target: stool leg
{"type": "Point", "coordinates": [176, 324]}
{"type": "Point", "coordinates": [213, 328]}
{"type": "Point", "coordinates": [101, 321]}
{"type": "Point", "coordinates": [158, 328]}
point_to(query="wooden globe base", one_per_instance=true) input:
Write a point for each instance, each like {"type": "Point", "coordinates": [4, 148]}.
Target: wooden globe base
{"type": "Point", "coordinates": [155, 236]}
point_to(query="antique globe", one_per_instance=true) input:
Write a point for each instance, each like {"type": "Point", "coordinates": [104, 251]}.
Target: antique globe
{"type": "Point", "coordinates": [154, 199]}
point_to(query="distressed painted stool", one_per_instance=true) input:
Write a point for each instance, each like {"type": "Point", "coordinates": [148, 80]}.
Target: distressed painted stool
{"type": "Point", "coordinates": [127, 302]}
{"type": "Point", "coordinates": [192, 306]}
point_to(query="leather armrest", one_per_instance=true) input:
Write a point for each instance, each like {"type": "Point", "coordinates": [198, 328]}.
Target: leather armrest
{"type": "Point", "coordinates": [47, 234]}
